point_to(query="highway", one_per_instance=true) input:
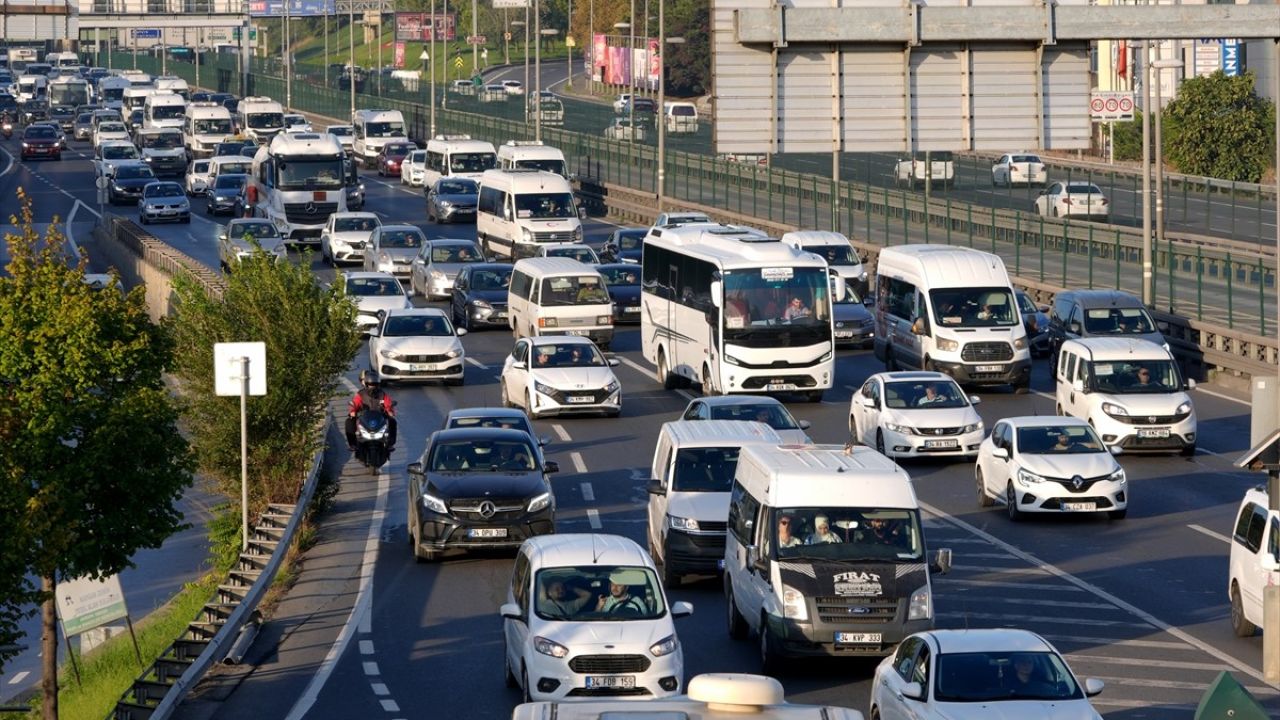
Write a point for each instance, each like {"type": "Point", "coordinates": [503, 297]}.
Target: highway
{"type": "Point", "coordinates": [1139, 603]}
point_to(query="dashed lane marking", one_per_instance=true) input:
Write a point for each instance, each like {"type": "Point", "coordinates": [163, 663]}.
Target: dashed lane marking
{"type": "Point", "coordinates": [389, 705]}
{"type": "Point", "coordinates": [18, 677]}
{"type": "Point", "coordinates": [561, 433]}
{"type": "Point", "coordinates": [593, 517]}
{"type": "Point", "coordinates": [588, 493]}
{"type": "Point", "coordinates": [1210, 533]}
{"type": "Point", "coordinates": [366, 647]}
{"type": "Point", "coordinates": [578, 463]}
{"type": "Point", "coordinates": [476, 363]}
{"type": "Point", "coordinates": [370, 668]}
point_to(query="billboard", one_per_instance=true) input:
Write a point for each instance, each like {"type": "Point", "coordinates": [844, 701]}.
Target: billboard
{"type": "Point", "coordinates": [416, 26]}
{"type": "Point", "coordinates": [613, 63]}
{"type": "Point", "coordinates": [297, 8]}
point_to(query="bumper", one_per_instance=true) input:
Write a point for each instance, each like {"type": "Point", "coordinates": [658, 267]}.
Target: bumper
{"type": "Point", "coordinates": [455, 214]}
{"type": "Point", "coordinates": [854, 336]}
{"type": "Point", "coordinates": [309, 235]}
{"type": "Point", "coordinates": [497, 317]}
{"type": "Point", "coordinates": [686, 552]}
{"type": "Point", "coordinates": [403, 371]}
{"type": "Point", "coordinates": [440, 288]}
{"type": "Point", "coordinates": [401, 272]}
{"type": "Point", "coordinates": [443, 532]}
{"type": "Point", "coordinates": [1147, 438]}
{"type": "Point", "coordinates": [169, 168]}
{"type": "Point", "coordinates": [217, 204]}
{"type": "Point", "coordinates": [346, 253]}
{"type": "Point", "coordinates": [544, 405]}
{"type": "Point", "coordinates": [42, 151]}
{"type": "Point", "coordinates": [1102, 216]}
{"type": "Point", "coordinates": [166, 215]}
{"type": "Point", "coordinates": [809, 639]}
{"type": "Point", "coordinates": [1016, 372]}
{"type": "Point", "coordinates": [414, 179]}
{"type": "Point", "coordinates": [600, 336]}
{"type": "Point", "coordinates": [1051, 497]}
{"type": "Point", "coordinates": [900, 445]}
{"type": "Point", "coordinates": [552, 679]}
{"type": "Point", "coordinates": [626, 315]}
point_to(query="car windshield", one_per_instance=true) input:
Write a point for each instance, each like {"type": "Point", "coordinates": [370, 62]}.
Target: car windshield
{"type": "Point", "coordinates": [258, 229]}
{"type": "Point", "coordinates": [400, 239]}
{"type": "Point", "coordinates": [40, 132]}
{"type": "Point", "coordinates": [847, 534]}
{"type": "Point", "coordinates": [834, 254]}
{"type": "Point", "coordinates": [306, 173]}
{"type": "Point", "coordinates": [168, 112]}
{"type": "Point", "coordinates": [418, 157]}
{"type": "Point", "coordinates": [457, 187]}
{"type": "Point", "coordinates": [482, 455]}
{"type": "Point", "coordinates": [355, 224]}
{"type": "Point", "coordinates": [774, 415]}
{"type": "Point", "coordinates": [111, 127]}
{"type": "Point", "coordinates": [455, 253]}
{"type": "Point", "coordinates": [704, 469]}
{"type": "Point", "coordinates": [200, 167]}
{"type": "Point", "coordinates": [340, 130]}
{"type": "Point", "coordinates": [384, 129]}
{"type": "Point", "coordinates": [567, 355]}
{"type": "Point", "coordinates": [551, 166]}
{"type": "Point", "coordinates": [1058, 440]}
{"type": "Point", "coordinates": [230, 182]}
{"type": "Point", "coordinates": [1026, 158]}
{"type": "Point", "coordinates": [974, 307]}
{"type": "Point", "coordinates": [511, 422]}
{"type": "Point", "coordinates": [581, 254]}
{"type": "Point", "coordinates": [620, 276]}
{"type": "Point", "coordinates": [591, 593]}
{"type": "Point", "coordinates": [472, 162]}
{"type": "Point", "coordinates": [163, 190]}
{"type": "Point", "coordinates": [417, 326]}
{"type": "Point", "coordinates": [571, 290]}
{"type": "Point", "coordinates": [82, 119]}
{"type": "Point", "coordinates": [162, 141]}
{"type": "Point", "coordinates": [265, 120]}
{"type": "Point", "coordinates": [930, 395]}
{"type": "Point", "coordinates": [1134, 376]}
{"type": "Point", "coordinates": [134, 173]}
{"type": "Point", "coordinates": [1118, 321]}
{"type": "Point", "coordinates": [630, 239]}
{"type": "Point", "coordinates": [396, 151]}
{"type": "Point", "coordinates": [545, 206]}
{"type": "Point", "coordinates": [119, 152]}
{"type": "Point", "coordinates": [769, 306]}
{"type": "Point", "coordinates": [237, 167]}
{"type": "Point", "coordinates": [497, 279]}
{"type": "Point", "coordinates": [374, 287]}
{"type": "Point", "coordinates": [996, 676]}
{"type": "Point", "coordinates": [213, 126]}
{"type": "Point", "coordinates": [295, 120]}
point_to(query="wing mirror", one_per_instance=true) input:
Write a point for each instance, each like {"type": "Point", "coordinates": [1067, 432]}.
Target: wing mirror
{"type": "Point", "coordinates": [460, 331]}
{"type": "Point", "coordinates": [1074, 328]}
{"type": "Point", "coordinates": [519, 365]}
{"type": "Point", "coordinates": [804, 424]}
{"type": "Point", "coordinates": [920, 326]}
{"type": "Point", "coordinates": [415, 469]}
{"type": "Point", "coordinates": [1077, 385]}
{"type": "Point", "coordinates": [1093, 686]}
{"type": "Point", "coordinates": [868, 402]}
{"type": "Point", "coordinates": [614, 362]}
{"type": "Point", "coordinates": [551, 466]}
{"type": "Point", "coordinates": [974, 399]}
{"type": "Point", "coordinates": [655, 488]}
{"type": "Point", "coordinates": [1191, 384]}
{"type": "Point", "coordinates": [544, 441]}
{"type": "Point", "coordinates": [680, 609]}
{"type": "Point", "coordinates": [1000, 453]}
{"type": "Point", "coordinates": [511, 611]}
{"type": "Point", "coordinates": [941, 562]}
{"type": "Point", "coordinates": [913, 690]}
{"type": "Point", "coordinates": [1115, 449]}
{"type": "Point", "coordinates": [1269, 563]}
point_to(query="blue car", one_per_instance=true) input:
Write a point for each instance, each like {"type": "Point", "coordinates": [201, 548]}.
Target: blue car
{"type": "Point", "coordinates": [623, 281]}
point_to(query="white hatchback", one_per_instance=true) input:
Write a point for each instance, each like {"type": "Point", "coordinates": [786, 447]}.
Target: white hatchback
{"type": "Point", "coordinates": [346, 235]}
{"type": "Point", "coordinates": [560, 375]}
{"type": "Point", "coordinates": [197, 180]}
{"type": "Point", "coordinates": [413, 344]}
{"type": "Point", "coordinates": [586, 616]}
{"type": "Point", "coordinates": [413, 170]}
{"type": "Point", "coordinates": [915, 414]}
{"type": "Point", "coordinates": [1019, 169]}
{"type": "Point", "coordinates": [1049, 465]}
{"type": "Point", "coordinates": [374, 292]}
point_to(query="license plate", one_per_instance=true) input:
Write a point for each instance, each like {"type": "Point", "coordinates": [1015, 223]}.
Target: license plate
{"type": "Point", "coordinates": [625, 682]}
{"type": "Point", "coordinates": [844, 333]}
{"type": "Point", "coordinates": [422, 367]}
{"type": "Point", "coordinates": [487, 532]}
{"type": "Point", "coordinates": [989, 368]}
{"type": "Point", "coordinates": [632, 309]}
{"type": "Point", "coordinates": [168, 212]}
{"type": "Point", "coordinates": [1153, 432]}
{"type": "Point", "coordinates": [579, 333]}
{"type": "Point", "coordinates": [1086, 506]}
{"type": "Point", "coordinates": [941, 443]}
{"type": "Point", "coordinates": [848, 638]}
{"type": "Point", "coordinates": [580, 399]}
{"type": "Point", "coordinates": [775, 387]}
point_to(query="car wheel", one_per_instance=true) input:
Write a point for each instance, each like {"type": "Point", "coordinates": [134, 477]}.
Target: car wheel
{"type": "Point", "coordinates": [1057, 409]}
{"type": "Point", "coordinates": [880, 441]}
{"type": "Point", "coordinates": [984, 500]}
{"type": "Point", "coordinates": [506, 399]}
{"type": "Point", "coordinates": [737, 623]}
{"type": "Point", "coordinates": [664, 372]}
{"type": "Point", "coordinates": [671, 577]}
{"type": "Point", "coordinates": [526, 696]}
{"type": "Point", "coordinates": [814, 396]}
{"type": "Point", "coordinates": [186, 220]}
{"type": "Point", "coordinates": [770, 662]}
{"type": "Point", "coordinates": [875, 713]}
{"type": "Point", "coordinates": [466, 320]}
{"type": "Point", "coordinates": [1011, 501]}
{"type": "Point", "coordinates": [142, 218]}
{"type": "Point", "coordinates": [1240, 625]}
{"type": "Point", "coordinates": [853, 430]}
{"type": "Point", "coordinates": [528, 405]}
{"type": "Point", "coordinates": [709, 388]}
{"type": "Point", "coordinates": [890, 362]}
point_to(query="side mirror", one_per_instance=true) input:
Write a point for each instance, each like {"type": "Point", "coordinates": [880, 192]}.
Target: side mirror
{"type": "Point", "coordinates": [920, 326]}
{"type": "Point", "coordinates": [1077, 385]}
{"type": "Point", "coordinates": [941, 562]}
{"type": "Point", "coordinates": [1191, 384]}
{"type": "Point", "coordinates": [1074, 328]}
{"type": "Point", "coordinates": [1093, 686]}
{"type": "Point", "coordinates": [974, 399]}
{"type": "Point", "coordinates": [1000, 453]}
{"type": "Point", "coordinates": [551, 466]}
{"type": "Point", "coordinates": [519, 365]}
{"type": "Point", "coordinates": [717, 293]}
{"type": "Point", "coordinates": [913, 690]}
{"type": "Point", "coordinates": [655, 488]}
{"type": "Point", "coordinates": [614, 362]}
{"type": "Point", "coordinates": [460, 331]}
{"type": "Point", "coordinates": [753, 555]}
{"type": "Point", "coordinates": [1042, 192]}
{"type": "Point", "coordinates": [222, 237]}
{"type": "Point", "coordinates": [511, 611]}
{"type": "Point", "coordinates": [1115, 449]}
{"type": "Point", "coordinates": [680, 609]}
{"type": "Point", "coordinates": [544, 441]}
{"type": "Point", "coordinates": [1162, 326]}
{"type": "Point", "coordinates": [1043, 308]}
{"type": "Point", "coordinates": [837, 286]}
{"type": "Point", "coordinates": [582, 213]}
{"type": "Point", "coordinates": [868, 401]}
{"type": "Point", "coordinates": [804, 424]}
{"type": "Point", "coordinates": [415, 469]}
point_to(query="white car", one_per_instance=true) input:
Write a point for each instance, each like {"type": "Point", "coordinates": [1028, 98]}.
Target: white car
{"type": "Point", "coordinates": [575, 251]}
{"type": "Point", "coordinates": [242, 237]}
{"type": "Point", "coordinates": [1019, 169]}
{"type": "Point", "coordinates": [622, 129]}
{"type": "Point", "coordinates": [1076, 200]}
{"type": "Point", "coordinates": [513, 87]}
{"type": "Point", "coordinates": [1049, 464]}
{"type": "Point", "coordinates": [197, 180]}
{"type": "Point", "coordinates": [110, 130]}
{"type": "Point", "coordinates": [560, 375]}
{"type": "Point", "coordinates": [750, 408]}
{"type": "Point", "coordinates": [915, 414]}
{"type": "Point", "coordinates": [436, 268]}
{"type": "Point", "coordinates": [296, 123]}
{"type": "Point", "coordinates": [346, 235]}
{"type": "Point", "coordinates": [621, 103]}
{"type": "Point", "coordinates": [374, 292]}
{"type": "Point", "coordinates": [346, 135]}
{"type": "Point", "coordinates": [392, 249]}
{"type": "Point", "coordinates": [995, 673]}
{"type": "Point", "coordinates": [413, 169]}
{"type": "Point", "coordinates": [417, 344]}
{"type": "Point", "coordinates": [1255, 560]}
{"type": "Point", "coordinates": [586, 615]}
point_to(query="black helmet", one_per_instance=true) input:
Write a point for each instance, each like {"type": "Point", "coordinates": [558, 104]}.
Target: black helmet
{"type": "Point", "coordinates": [368, 378]}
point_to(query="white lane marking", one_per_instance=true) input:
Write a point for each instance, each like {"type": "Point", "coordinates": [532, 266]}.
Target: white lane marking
{"type": "Point", "coordinates": [390, 705]}
{"type": "Point", "coordinates": [1162, 644]}
{"type": "Point", "coordinates": [593, 517]}
{"type": "Point", "coordinates": [1103, 594]}
{"type": "Point", "coordinates": [1007, 618]}
{"type": "Point", "coordinates": [997, 570]}
{"type": "Point", "coordinates": [8, 167]}
{"type": "Point", "coordinates": [1210, 533]}
{"type": "Point", "coordinates": [349, 384]}
{"type": "Point", "coordinates": [1053, 588]}
{"type": "Point", "coordinates": [380, 688]}
{"type": "Point", "coordinates": [370, 668]}
{"type": "Point", "coordinates": [686, 394]}
{"type": "Point", "coordinates": [634, 365]}
{"type": "Point", "coordinates": [1207, 391]}
{"type": "Point", "coordinates": [366, 647]}
{"type": "Point", "coordinates": [476, 363]}
{"type": "Point", "coordinates": [578, 464]}
{"type": "Point", "coordinates": [588, 493]}
{"type": "Point", "coordinates": [1145, 662]}
{"type": "Point", "coordinates": [1207, 451]}
{"type": "Point", "coordinates": [18, 677]}
{"type": "Point", "coordinates": [1052, 603]}
{"type": "Point", "coordinates": [364, 601]}
{"type": "Point", "coordinates": [561, 433]}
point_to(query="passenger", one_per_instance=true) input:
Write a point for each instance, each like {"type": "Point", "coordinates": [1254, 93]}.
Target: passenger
{"type": "Point", "coordinates": [543, 357]}
{"type": "Point", "coordinates": [796, 310]}
{"type": "Point", "coordinates": [620, 600]}
{"type": "Point", "coordinates": [563, 603]}
{"type": "Point", "coordinates": [881, 531]}
{"type": "Point", "coordinates": [785, 538]}
{"type": "Point", "coordinates": [822, 532]}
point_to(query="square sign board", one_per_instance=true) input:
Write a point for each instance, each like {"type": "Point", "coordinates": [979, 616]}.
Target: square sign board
{"type": "Point", "coordinates": [227, 364]}
{"type": "Point", "coordinates": [84, 604]}
{"type": "Point", "coordinates": [1111, 106]}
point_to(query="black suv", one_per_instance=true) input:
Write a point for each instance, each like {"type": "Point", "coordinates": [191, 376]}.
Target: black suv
{"type": "Point", "coordinates": [478, 488]}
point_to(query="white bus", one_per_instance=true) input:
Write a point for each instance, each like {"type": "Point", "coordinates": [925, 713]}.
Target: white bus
{"type": "Point", "coordinates": [736, 311]}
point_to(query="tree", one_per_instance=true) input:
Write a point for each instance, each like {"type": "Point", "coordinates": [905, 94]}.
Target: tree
{"type": "Point", "coordinates": [93, 462]}
{"type": "Point", "coordinates": [1219, 127]}
{"type": "Point", "coordinates": [311, 336]}
{"type": "Point", "coordinates": [689, 64]}
{"type": "Point", "coordinates": [1128, 138]}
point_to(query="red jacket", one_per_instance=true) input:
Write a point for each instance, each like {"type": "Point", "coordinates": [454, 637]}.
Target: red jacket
{"type": "Point", "coordinates": [368, 397]}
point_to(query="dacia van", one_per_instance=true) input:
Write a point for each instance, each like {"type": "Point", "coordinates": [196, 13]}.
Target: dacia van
{"type": "Point", "coordinates": [1255, 560]}
{"type": "Point", "coordinates": [559, 296]}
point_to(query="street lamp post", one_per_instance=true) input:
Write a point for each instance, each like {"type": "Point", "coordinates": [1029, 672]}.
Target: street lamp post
{"type": "Point", "coordinates": [288, 60]}
{"type": "Point", "coordinates": [663, 42]}
{"type": "Point", "coordinates": [537, 53]}
{"type": "Point", "coordinates": [568, 33]}
{"type": "Point", "coordinates": [351, 58]}
{"type": "Point", "coordinates": [1148, 276]}
{"type": "Point", "coordinates": [1159, 66]}
{"type": "Point", "coordinates": [631, 56]}
{"type": "Point", "coordinates": [424, 57]}
{"type": "Point", "coordinates": [433, 67]}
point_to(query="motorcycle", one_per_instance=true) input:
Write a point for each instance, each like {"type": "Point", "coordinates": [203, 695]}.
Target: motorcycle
{"type": "Point", "coordinates": [7, 128]}
{"type": "Point", "coordinates": [373, 440]}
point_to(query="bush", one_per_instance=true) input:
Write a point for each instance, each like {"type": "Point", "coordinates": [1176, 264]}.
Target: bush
{"type": "Point", "coordinates": [1219, 127]}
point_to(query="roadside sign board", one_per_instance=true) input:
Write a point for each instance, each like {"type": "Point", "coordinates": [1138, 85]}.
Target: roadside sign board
{"type": "Point", "coordinates": [1111, 106]}
{"type": "Point", "coordinates": [84, 604]}
{"type": "Point", "coordinates": [145, 33]}
{"type": "Point", "coordinates": [226, 367]}
{"type": "Point", "coordinates": [1230, 57]}
{"type": "Point", "coordinates": [500, 4]}
{"type": "Point", "coordinates": [477, 40]}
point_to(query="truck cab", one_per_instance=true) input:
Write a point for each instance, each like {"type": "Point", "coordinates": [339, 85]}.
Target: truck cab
{"type": "Point", "coordinates": [301, 181]}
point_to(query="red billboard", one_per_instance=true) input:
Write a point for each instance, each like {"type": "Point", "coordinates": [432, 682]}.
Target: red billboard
{"type": "Point", "coordinates": [417, 27]}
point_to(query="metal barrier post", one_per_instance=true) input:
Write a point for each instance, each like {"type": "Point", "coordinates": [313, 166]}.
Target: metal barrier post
{"type": "Point", "coordinates": [1199, 284]}
{"type": "Point", "coordinates": [1262, 297]}
{"type": "Point", "coordinates": [926, 219]}
{"type": "Point", "coordinates": [1066, 240]}
{"type": "Point", "coordinates": [886, 217]}
{"type": "Point", "coordinates": [1233, 208]}
{"type": "Point", "coordinates": [1116, 254]}
{"type": "Point", "coordinates": [1017, 245]}
{"type": "Point", "coordinates": [948, 219]}
{"type": "Point", "coordinates": [1231, 271]}
{"type": "Point", "coordinates": [1171, 260]}
{"type": "Point", "coordinates": [1090, 257]}
{"type": "Point", "coordinates": [1042, 247]}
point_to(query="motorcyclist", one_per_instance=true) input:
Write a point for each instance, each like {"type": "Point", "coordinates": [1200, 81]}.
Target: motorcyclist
{"type": "Point", "coordinates": [370, 395]}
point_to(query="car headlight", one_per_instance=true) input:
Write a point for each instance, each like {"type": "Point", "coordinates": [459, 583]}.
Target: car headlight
{"type": "Point", "coordinates": [437, 275]}
{"type": "Point", "coordinates": [148, 158]}
{"type": "Point", "coordinates": [604, 319]}
{"type": "Point", "coordinates": [682, 523]}
{"type": "Point", "coordinates": [665, 646]}
{"type": "Point", "coordinates": [900, 429]}
{"type": "Point", "coordinates": [25, 145]}
{"type": "Point", "coordinates": [921, 605]}
{"type": "Point", "coordinates": [947, 344]}
{"type": "Point", "coordinates": [446, 204]}
{"type": "Point", "coordinates": [972, 427]}
{"type": "Point", "coordinates": [434, 504]}
{"type": "Point", "coordinates": [1166, 346]}
{"type": "Point", "coordinates": [549, 647]}
{"type": "Point", "coordinates": [612, 387]}
{"type": "Point", "coordinates": [1028, 478]}
{"type": "Point", "coordinates": [577, 234]}
{"type": "Point", "coordinates": [862, 276]}
{"type": "Point", "coordinates": [731, 359]}
{"type": "Point", "coordinates": [1021, 342]}
{"type": "Point", "coordinates": [390, 354]}
{"type": "Point", "coordinates": [361, 187]}
{"type": "Point", "coordinates": [455, 351]}
{"type": "Point", "coordinates": [540, 502]}
{"type": "Point", "coordinates": [117, 188]}
{"type": "Point", "coordinates": [825, 357]}
{"type": "Point", "coordinates": [1184, 408]}
{"type": "Point", "coordinates": [1114, 410]}
{"type": "Point", "coordinates": [544, 389]}
{"type": "Point", "coordinates": [1117, 476]}
{"type": "Point", "coordinates": [526, 234]}
{"type": "Point", "coordinates": [481, 304]}
{"type": "Point", "coordinates": [793, 604]}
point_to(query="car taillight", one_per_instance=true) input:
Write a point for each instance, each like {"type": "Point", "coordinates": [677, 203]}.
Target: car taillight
{"type": "Point", "coordinates": [1104, 201]}
{"type": "Point", "coordinates": [1066, 201]}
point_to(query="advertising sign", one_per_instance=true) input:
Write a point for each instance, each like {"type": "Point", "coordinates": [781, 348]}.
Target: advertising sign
{"type": "Point", "coordinates": [145, 33]}
{"type": "Point", "coordinates": [417, 27]}
{"type": "Point", "coordinates": [297, 8]}
{"type": "Point", "coordinates": [1111, 106]}
{"type": "Point", "coordinates": [399, 55]}
{"type": "Point", "coordinates": [85, 604]}
{"type": "Point", "coordinates": [1230, 57]}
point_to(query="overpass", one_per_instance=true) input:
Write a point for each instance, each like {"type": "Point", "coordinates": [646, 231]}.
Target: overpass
{"type": "Point", "coordinates": [124, 14]}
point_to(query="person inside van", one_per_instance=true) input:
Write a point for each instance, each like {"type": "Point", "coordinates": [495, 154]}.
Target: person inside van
{"type": "Point", "coordinates": [620, 601]}
{"type": "Point", "coordinates": [822, 533]}
{"type": "Point", "coordinates": [882, 532]}
{"type": "Point", "coordinates": [559, 601]}
{"type": "Point", "coordinates": [591, 294]}
{"type": "Point", "coordinates": [1142, 380]}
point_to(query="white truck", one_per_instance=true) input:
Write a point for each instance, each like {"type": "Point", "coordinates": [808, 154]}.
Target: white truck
{"type": "Point", "coordinates": [260, 118]}
{"type": "Point", "coordinates": [374, 129]}
{"type": "Point", "coordinates": [204, 125]}
{"type": "Point", "coordinates": [300, 180]}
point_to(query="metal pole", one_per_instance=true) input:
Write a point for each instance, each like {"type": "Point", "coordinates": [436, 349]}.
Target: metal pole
{"type": "Point", "coordinates": [164, 51]}
{"type": "Point", "coordinates": [378, 42]}
{"type": "Point", "coordinates": [244, 453]}
{"type": "Point", "coordinates": [537, 70]}
{"type": "Point", "coordinates": [288, 60]}
{"type": "Point", "coordinates": [433, 68]}
{"type": "Point", "coordinates": [591, 43]}
{"type": "Point", "coordinates": [475, 49]}
{"type": "Point", "coordinates": [506, 37]}
{"type": "Point", "coordinates": [631, 70]}
{"type": "Point", "coordinates": [1148, 278]}
{"type": "Point", "coordinates": [568, 51]}
{"type": "Point", "coordinates": [326, 47]}
{"type": "Point", "coordinates": [444, 100]}
{"type": "Point", "coordinates": [662, 98]}
{"type": "Point", "coordinates": [199, 40]}
{"type": "Point", "coordinates": [526, 61]}
{"type": "Point", "coordinates": [351, 61]}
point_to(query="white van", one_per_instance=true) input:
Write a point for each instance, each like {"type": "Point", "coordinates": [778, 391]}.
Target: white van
{"type": "Point", "coordinates": [520, 209]}
{"type": "Point", "coordinates": [531, 155]}
{"type": "Point", "coordinates": [951, 310]}
{"type": "Point", "coordinates": [586, 615]}
{"type": "Point", "coordinates": [204, 125]}
{"type": "Point", "coordinates": [31, 87]}
{"type": "Point", "coordinates": [836, 249]}
{"type": "Point", "coordinates": [458, 156]}
{"type": "Point", "coordinates": [229, 165]}
{"type": "Point", "coordinates": [559, 296]}
{"type": "Point", "coordinates": [173, 84]}
{"type": "Point", "coordinates": [163, 110]}
{"type": "Point", "coordinates": [1130, 390]}
{"type": "Point", "coordinates": [134, 97]}
{"type": "Point", "coordinates": [821, 535]}
{"type": "Point", "coordinates": [1255, 560]}
{"type": "Point", "coordinates": [111, 91]}
{"type": "Point", "coordinates": [373, 129]}
{"type": "Point", "coordinates": [680, 117]}
{"type": "Point", "coordinates": [690, 478]}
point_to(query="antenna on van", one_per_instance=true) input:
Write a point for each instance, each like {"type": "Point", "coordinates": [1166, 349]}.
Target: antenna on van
{"type": "Point", "coordinates": [595, 551]}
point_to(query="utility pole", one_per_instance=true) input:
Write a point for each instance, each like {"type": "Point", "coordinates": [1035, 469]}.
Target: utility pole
{"type": "Point", "coordinates": [537, 70]}
{"type": "Point", "coordinates": [288, 60]}
{"type": "Point", "coordinates": [475, 49]}
{"type": "Point", "coordinates": [568, 35]}
{"type": "Point", "coordinates": [1148, 277]}
{"type": "Point", "coordinates": [433, 69]}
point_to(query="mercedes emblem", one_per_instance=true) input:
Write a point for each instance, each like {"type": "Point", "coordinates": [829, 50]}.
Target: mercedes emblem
{"type": "Point", "coordinates": [310, 208]}
{"type": "Point", "coordinates": [487, 509]}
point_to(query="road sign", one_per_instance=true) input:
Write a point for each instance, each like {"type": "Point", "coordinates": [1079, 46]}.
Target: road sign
{"type": "Point", "coordinates": [145, 33]}
{"type": "Point", "coordinates": [1111, 106]}
{"type": "Point", "coordinates": [477, 40]}
{"type": "Point", "coordinates": [570, 42]}
{"type": "Point", "coordinates": [84, 604]}
{"type": "Point", "coordinates": [506, 36]}
{"type": "Point", "coordinates": [457, 62]}
{"type": "Point", "coordinates": [1231, 58]}
{"type": "Point", "coordinates": [227, 367]}
{"type": "Point", "coordinates": [500, 4]}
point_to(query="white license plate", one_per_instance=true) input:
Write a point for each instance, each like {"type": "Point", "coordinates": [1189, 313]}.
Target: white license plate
{"type": "Point", "coordinates": [847, 638]}
{"type": "Point", "coordinates": [844, 333]}
{"type": "Point", "coordinates": [580, 399]}
{"type": "Point", "coordinates": [487, 532]}
{"type": "Point", "coordinates": [776, 387]}
{"type": "Point", "coordinates": [941, 443]}
{"type": "Point", "coordinates": [579, 333]}
{"type": "Point", "coordinates": [423, 367]}
{"type": "Point", "coordinates": [989, 368]}
{"type": "Point", "coordinates": [624, 682]}
{"type": "Point", "coordinates": [1076, 506]}
{"type": "Point", "coordinates": [1162, 432]}
{"type": "Point", "coordinates": [168, 212]}
{"type": "Point", "coordinates": [632, 310]}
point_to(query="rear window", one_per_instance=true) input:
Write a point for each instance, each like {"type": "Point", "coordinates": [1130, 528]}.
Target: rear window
{"type": "Point", "coordinates": [1083, 188]}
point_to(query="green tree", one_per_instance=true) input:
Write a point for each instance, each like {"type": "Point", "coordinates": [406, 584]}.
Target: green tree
{"type": "Point", "coordinates": [93, 462]}
{"type": "Point", "coordinates": [1219, 127]}
{"type": "Point", "coordinates": [689, 64]}
{"type": "Point", "coordinates": [310, 335]}
{"type": "Point", "coordinates": [1128, 138]}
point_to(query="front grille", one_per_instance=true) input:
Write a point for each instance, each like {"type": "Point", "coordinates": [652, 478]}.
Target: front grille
{"type": "Point", "coordinates": [939, 432]}
{"type": "Point", "coordinates": [576, 321]}
{"type": "Point", "coordinates": [712, 526]}
{"type": "Point", "coordinates": [1152, 419]}
{"type": "Point", "coordinates": [425, 358]}
{"type": "Point", "coordinates": [609, 664]}
{"type": "Point", "coordinates": [503, 509]}
{"type": "Point", "coordinates": [781, 364]}
{"type": "Point", "coordinates": [986, 352]}
{"type": "Point", "coordinates": [557, 236]}
{"type": "Point", "coordinates": [758, 383]}
{"type": "Point", "coordinates": [314, 213]}
{"type": "Point", "coordinates": [852, 610]}
{"type": "Point", "coordinates": [1085, 484]}
{"type": "Point", "coordinates": [609, 692]}
{"type": "Point", "coordinates": [597, 396]}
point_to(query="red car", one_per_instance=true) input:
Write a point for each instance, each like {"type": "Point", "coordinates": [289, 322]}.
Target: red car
{"type": "Point", "coordinates": [392, 155]}
{"type": "Point", "coordinates": [40, 141]}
